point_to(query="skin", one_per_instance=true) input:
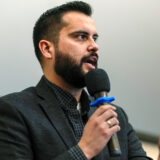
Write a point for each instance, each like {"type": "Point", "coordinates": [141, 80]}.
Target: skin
{"type": "Point", "coordinates": [78, 39]}
{"type": "Point", "coordinates": [73, 41]}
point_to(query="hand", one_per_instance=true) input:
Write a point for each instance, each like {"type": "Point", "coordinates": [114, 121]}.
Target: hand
{"type": "Point", "coordinates": [97, 131]}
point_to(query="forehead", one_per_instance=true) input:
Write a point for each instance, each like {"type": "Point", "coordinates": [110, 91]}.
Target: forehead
{"type": "Point", "coordinates": [78, 21]}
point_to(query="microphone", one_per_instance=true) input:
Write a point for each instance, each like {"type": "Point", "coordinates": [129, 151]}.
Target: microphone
{"type": "Point", "coordinates": [98, 85]}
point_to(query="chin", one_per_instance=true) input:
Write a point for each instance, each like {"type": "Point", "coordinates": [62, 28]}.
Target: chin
{"type": "Point", "coordinates": [86, 71]}
{"type": "Point", "coordinates": [87, 68]}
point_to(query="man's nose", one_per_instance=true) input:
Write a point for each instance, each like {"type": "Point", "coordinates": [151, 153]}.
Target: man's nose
{"type": "Point", "coordinates": [93, 46]}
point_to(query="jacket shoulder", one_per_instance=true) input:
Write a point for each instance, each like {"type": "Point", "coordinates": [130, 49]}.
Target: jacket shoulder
{"type": "Point", "coordinates": [17, 99]}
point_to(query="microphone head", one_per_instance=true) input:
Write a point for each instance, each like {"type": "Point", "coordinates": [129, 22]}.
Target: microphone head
{"type": "Point", "coordinates": [97, 81]}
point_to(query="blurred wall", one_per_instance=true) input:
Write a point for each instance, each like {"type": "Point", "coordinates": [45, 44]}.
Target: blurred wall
{"type": "Point", "coordinates": [129, 51]}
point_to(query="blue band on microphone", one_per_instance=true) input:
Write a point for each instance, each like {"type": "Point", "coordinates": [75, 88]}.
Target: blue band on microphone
{"type": "Point", "coordinates": [101, 100]}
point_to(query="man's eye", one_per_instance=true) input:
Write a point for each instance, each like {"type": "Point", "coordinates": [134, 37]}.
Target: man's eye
{"type": "Point", "coordinates": [82, 37]}
{"type": "Point", "coordinates": [95, 38]}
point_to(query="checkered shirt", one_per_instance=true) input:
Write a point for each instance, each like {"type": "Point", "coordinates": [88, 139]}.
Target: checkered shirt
{"type": "Point", "coordinates": [76, 118]}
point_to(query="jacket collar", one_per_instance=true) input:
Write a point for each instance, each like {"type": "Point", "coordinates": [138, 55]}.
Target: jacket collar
{"type": "Point", "coordinates": [54, 113]}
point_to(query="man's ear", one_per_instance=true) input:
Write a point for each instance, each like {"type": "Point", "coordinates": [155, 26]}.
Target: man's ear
{"type": "Point", "coordinates": [46, 48]}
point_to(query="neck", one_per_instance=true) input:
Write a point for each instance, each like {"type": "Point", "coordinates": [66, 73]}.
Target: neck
{"type": "Point", "coordinates": [57, 80]}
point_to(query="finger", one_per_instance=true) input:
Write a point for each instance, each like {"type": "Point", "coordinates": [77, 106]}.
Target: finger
{"type": "Point", "coordinates": [112, 122]}
{"type": "Point", "coordinates": [114, 129]}
{"type": "Point", "coordinates": [107, 115]}
{"type": "Point", "coordinates": [101, 109]}
{"type": "Point", "coordinates": [109, 131]}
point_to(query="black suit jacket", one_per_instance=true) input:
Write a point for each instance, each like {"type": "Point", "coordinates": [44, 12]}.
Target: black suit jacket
{"type": "Point", "coordinates": [33, 127]}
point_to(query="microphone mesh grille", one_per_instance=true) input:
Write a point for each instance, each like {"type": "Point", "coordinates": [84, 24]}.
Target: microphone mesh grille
{"type": "Point", "coordinates": [97, 81]}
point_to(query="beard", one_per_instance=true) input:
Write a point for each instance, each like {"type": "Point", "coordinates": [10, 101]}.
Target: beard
{"type": "Point", "coordinates": [67, 67]}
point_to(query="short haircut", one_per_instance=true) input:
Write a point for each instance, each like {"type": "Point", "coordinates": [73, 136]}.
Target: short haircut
{"type": "Point", "coordinates": [50, 23]}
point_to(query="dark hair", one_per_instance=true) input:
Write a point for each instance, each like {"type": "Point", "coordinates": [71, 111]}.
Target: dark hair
{"type": "Point", "coordinates": [49, 23]}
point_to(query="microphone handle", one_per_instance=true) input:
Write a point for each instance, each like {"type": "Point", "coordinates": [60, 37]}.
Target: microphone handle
{"type": "Point", "coordinates": [113, 145]}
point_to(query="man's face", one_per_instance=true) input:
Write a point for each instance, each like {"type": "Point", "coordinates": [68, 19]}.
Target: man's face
{"type": "Point", "coordinates": [76, 51]}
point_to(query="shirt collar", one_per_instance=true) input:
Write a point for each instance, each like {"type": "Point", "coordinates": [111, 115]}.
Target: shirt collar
{"type": "Point", "coordinates": [67, 101]}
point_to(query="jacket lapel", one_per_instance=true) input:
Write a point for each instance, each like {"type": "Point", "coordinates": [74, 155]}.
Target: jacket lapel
{"type": "Point", "coordinates": [54, 113]}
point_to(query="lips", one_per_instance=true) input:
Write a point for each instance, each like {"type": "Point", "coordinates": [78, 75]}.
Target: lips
{"type": "Point", "coordinates": [92, 60]}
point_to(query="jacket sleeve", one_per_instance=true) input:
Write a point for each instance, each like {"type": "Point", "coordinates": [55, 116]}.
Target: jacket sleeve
{"type": "Point", "coordinates": [135, 150]}
{"type": "Point", "coordinates": [15, 139]}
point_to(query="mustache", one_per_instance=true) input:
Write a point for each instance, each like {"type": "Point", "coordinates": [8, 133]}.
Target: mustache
{"type": "Point", "coordinates": [88, 56]}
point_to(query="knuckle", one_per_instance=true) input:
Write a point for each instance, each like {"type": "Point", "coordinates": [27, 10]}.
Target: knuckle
{"type": "Point", "coordinates": [111, 112]}
{"type": "Point", "coordinates": [105, 133]}
{"type": "Point", "coordinates": [101, 129]}
{"type": "Point", "coordinates": [115, 120]}
{"type": "Point", "coordinates": [96, 122]}
{"type": "Point", "coordinates": [102, 108]}
{"type": "Point", "coordinates": [110, 106]}
{"type": "Point", "coordinates": [118, 128]}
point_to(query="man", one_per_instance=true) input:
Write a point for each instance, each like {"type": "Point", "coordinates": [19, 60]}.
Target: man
{"type": "Point", "coordinates": [53, 121]}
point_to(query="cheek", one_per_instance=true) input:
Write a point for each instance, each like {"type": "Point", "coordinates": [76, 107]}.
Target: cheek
{"type": "Point", "coordinates": [77, 51]}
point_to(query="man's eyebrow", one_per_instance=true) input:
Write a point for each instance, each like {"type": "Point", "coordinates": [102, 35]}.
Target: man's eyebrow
{"type": "Point", "coordinates": [84, 32]}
